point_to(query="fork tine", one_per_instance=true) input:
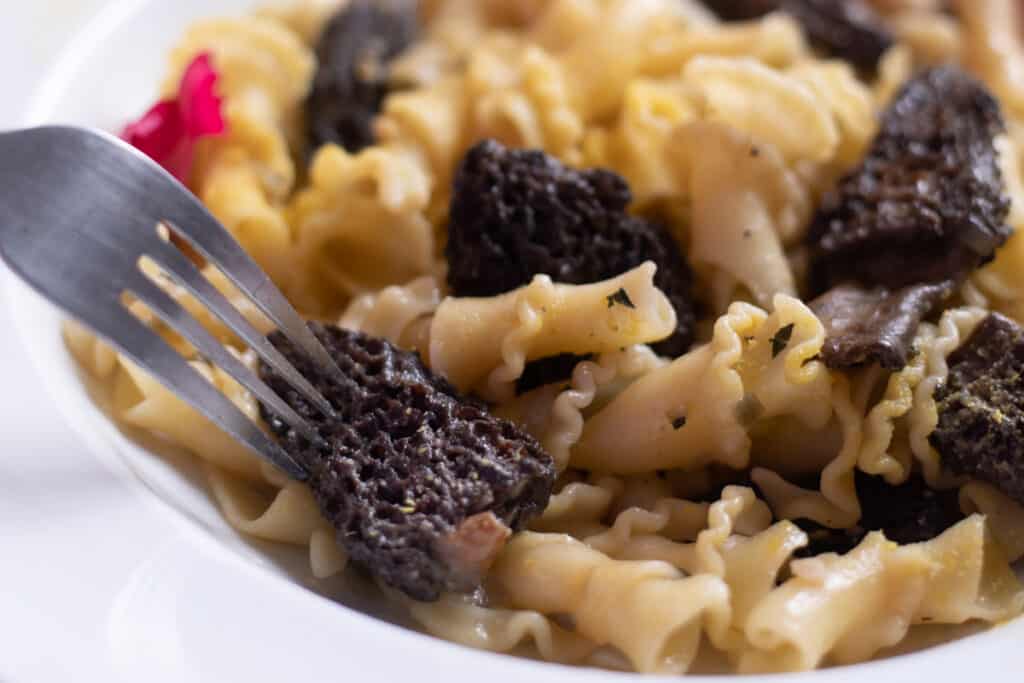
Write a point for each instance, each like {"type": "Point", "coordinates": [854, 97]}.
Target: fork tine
{"type": "Point", "coordinates": [146, 348]}
{"type": "Point", "coordinates": [172, 313]}
{"type": "Point", "coordinates": [207, 236]}
{"type": "Point", "coordinates": [186, 274]}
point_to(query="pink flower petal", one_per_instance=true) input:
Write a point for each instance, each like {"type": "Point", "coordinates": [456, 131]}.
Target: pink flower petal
{"type": "Point", "coordinates": [167, 133]}
{"type": "Point", "coordinates": [158, 132]}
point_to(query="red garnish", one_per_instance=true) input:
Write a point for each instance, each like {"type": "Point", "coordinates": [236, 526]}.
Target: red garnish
{"type": "Point", "coordinates": [169, 130]}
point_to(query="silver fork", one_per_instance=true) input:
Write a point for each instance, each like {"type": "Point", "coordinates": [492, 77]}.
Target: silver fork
{"type": "Point", "coordinates": [79, 210]}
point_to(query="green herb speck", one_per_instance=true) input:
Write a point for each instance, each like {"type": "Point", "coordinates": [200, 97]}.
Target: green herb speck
{"type": "Point", "coordinates": [620, 297]}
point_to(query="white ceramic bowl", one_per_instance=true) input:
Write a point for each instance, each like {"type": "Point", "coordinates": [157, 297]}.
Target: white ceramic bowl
{"type": "Point", "coordinates": [206, 604]}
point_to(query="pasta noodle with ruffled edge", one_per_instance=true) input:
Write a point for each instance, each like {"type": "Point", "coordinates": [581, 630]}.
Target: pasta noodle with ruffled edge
{"type": "Point", "coordinates": [868, 443]}
{"type": "Point", "coordinates": [265, 71]}
{"type": "Point", "coordinates": [974, 579]}
{"type": "Point", "coordinates": [359, 226]}
{"type": "Point", "coordinates": [734, 541]}
{"type": "Point", "coordinates": [509, 90]}
{"type": "Point", "coordinates": [954, 327]}
{"type": "Point", "coordinates": [846, 608]}
{"type": "Point", "coordinates": [880, 454]}
{"type": "Point", "coordinates": [663, 530]}
{"type": "Point", "coordinates": [517, 94]}
{"type": "Point", "coordinates": [739, 546]}
{"type": "Point", "coordinates": [770, 106]}
{"type": "Point", "coordinates": [850, 103]}
{"type": "Point", "coordinates": [485, 342]}
{"type": "Point", "coordinates": [245, 175]}
{"type": "Point", "coordinates": [993, 48]}
{"type": "Point", "coordinates": [1004, 515]}
{"type": "Point", "coordinates": [285, 515]}
{"type": "Point", "coordinates": [555, 415]}
{"type": "Point", "coordinates": [836, 504]}
{"type": "Point", "coordinates": [457, 619]}
{"type": "Point", "coordinates": [688, 414]}
{"type": "Point", "coordinates": [637, 145]}
{"type": "Point", "coordinates": [775, 40]}
{"type": "Point", "coordinates": [610, 50]}
{"type": "Point", "coordinates": [660, 614]}
{"type": "Point", "coordinates": [579, 507]}
{"type": "Point", "coordinates": [141, 401]}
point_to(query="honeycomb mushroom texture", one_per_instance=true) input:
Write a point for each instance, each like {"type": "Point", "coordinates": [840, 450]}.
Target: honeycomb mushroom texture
{"type": "Point", "coordinates": [422, 485]}
{"type": "Point", "coordinates": [848, 29]}
{"type": "Point", "coordinates": [908, 513]}
{"type": "Point", "coordinates": [874, 325]}
{"type": "Point", "coordinates": [928, 202]}
{"type": "Point", "coordinates": [981, 407]}
{"type": "Point", "coordinates": [353, 75]}
{"type": "Point", "coordinates": [520, 213]}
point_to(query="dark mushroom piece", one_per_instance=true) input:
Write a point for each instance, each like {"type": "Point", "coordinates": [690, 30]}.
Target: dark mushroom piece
{"type": "Point", "coordinates": [520, 213]}
{"type": "Point", "coordinates": [981, 407]}
{"type": "Point", "coordinates": [876, 325]}
{"type": "Point", "coordinates": [422, 485]}
{"type": "Point", "coordinates": [353, 70]}
{"type": "Point", "coordinates": [928, 203]}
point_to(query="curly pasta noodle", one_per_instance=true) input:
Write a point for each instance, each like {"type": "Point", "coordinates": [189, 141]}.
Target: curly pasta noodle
{"type": "Point", "coordinates": [539, 320]}
{"type": "Point", "coordinates": [649, 552]}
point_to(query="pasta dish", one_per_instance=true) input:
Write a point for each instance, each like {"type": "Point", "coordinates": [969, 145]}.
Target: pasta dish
{"type": "Point", "coordinates": [667, 328]}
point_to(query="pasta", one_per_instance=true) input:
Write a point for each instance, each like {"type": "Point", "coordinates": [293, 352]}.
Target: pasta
{"type": "Point", "coordinates": [709, 387]}
{"type": "Point", "coordinates": [558, 574]}
{"type": "Point", "coordinates": [539, 320]}
{"type": "Point", "coordinates": [692, 492]}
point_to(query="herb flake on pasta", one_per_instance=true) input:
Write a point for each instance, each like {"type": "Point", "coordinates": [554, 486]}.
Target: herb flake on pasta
{"type": "Point", "coordinates": [620, 297]}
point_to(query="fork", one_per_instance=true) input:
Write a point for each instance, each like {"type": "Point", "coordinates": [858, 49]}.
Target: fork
{"type": "Point", "coordinates": [79, 212]}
